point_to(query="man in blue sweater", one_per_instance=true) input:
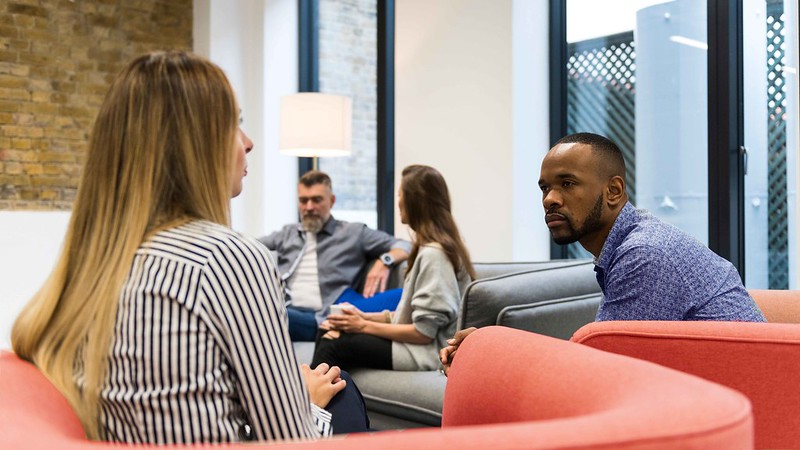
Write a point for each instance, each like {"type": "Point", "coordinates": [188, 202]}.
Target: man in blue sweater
{"type": "Point", "coordinates": [646, 268]}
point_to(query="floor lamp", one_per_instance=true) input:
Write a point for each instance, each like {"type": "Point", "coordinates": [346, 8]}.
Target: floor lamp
{"type": "Point", "coordinates": [316, 125]}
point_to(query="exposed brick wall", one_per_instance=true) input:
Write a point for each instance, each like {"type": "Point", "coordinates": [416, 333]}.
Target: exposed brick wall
{"type": "Point", "coordinates": [57, 59]}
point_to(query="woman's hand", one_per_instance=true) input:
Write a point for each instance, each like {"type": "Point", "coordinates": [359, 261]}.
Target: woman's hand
{"type": "Point", "coordinates": [350, 321]}
{"type": "Point", "coordinates": [323, 383]}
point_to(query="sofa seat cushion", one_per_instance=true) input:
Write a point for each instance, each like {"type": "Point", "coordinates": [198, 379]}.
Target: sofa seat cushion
{"type": "Point", "coordinates": [409, 396]}
{"type": "Point", "coordinates": [412, 396]}
{"type": "Point", "coordinates": [485, 298]}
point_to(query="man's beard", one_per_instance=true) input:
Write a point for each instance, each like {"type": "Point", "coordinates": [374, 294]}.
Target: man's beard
{"type": "Point", "coordinates": [591, 224]}
{"type": "Point", "coordinates": [313, 223]}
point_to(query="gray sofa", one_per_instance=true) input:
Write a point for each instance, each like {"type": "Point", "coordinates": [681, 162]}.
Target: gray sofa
{"type": "Point", "coordinates": [553, 298]}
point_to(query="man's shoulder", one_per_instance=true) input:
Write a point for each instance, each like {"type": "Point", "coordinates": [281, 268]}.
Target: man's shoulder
{"type": "Point", "coordinates": [285, 231]}
{"type": "Point", "coordinates": [345, 225]}
{"type": "Point", "coordinates": [352, 228]}
{"type": "Point", "coordinates": [653, 240]}
{"type": "Point", "coordinates": [650, 231]}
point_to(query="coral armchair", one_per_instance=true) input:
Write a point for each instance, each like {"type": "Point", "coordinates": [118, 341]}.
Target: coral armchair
{"type": "Point", "coordinates": [508, 389]}
{"type": "Point", "coordinates": [778, 306]}
{"type": "Point", "coordinates": [761, 360]}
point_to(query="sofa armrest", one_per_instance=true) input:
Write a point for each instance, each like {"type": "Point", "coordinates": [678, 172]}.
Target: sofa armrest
{"type": "Point", "coordinates": [558, 318]}
{"type": "Point", "coordinates": [412, 396]}
{"type": "Point", "coordinates": [494, 269]}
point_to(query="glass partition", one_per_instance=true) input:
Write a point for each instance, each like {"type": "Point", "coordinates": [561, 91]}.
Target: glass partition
{"type": "Point", "coordinates": [348, 55]}
{"type": "Point", "coordinates": [771, 139]}
{"type": "Point", "coordinates": [640, 78]}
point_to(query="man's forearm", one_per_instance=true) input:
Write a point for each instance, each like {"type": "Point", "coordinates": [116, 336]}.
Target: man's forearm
{"type": "Point", "coordinates": [398, 254]}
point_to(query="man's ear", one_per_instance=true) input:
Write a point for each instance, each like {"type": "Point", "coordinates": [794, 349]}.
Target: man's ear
{"type": "Point", "coordinates": [615, 191]}
{"type": "Point", "coordinates": [333, 200]}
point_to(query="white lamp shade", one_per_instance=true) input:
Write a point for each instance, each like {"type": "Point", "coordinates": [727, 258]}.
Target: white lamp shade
{"type": "Point", "coordinates": [314, 124]}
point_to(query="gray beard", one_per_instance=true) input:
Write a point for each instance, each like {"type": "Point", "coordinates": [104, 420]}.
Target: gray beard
{"type": "Point", "coordinates": [313, 224]}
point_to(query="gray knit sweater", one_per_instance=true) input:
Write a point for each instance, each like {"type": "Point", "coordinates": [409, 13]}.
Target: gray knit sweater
{"type": "Point", "coordinates": [431, 297]}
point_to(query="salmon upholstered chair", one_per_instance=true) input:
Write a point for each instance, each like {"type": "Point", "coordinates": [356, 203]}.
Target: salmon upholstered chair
{"type": "Point", "coordinates": [761, 360]}
{"type": "Point", "coordinates": [508, 389]}
{"type": "Point", "coordinates": [778, 306]}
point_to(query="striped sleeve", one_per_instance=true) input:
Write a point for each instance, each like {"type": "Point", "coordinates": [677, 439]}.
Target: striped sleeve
{"type": "Point", "coordinates": [241, 289]}
{"type": "Point", "coordinates": [322, 419]}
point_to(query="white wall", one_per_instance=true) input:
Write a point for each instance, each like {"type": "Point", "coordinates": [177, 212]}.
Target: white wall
{"type": "Point", "coordinates": [30, 242]}
{"type": "Point", "coordinates": [457, 110]}
{"type": "Point", "coordinates": [531, 102]}
{"type": "Point", "coordinates": [255, 42]}
{"type": "Point", "coordinates": [453, 110]}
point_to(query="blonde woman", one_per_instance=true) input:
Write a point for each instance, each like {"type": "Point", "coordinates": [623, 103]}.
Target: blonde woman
{"type": "Point", "coordinates": [159, 323]}
{"type": "Point", "coordinates": [439, 269]}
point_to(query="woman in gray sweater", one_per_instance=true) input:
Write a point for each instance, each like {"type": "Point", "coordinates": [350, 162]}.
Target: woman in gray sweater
{"type": "Point", "coordinates": [439, 269]}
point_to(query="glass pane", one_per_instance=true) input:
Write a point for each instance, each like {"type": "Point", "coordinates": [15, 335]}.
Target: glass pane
{"type": "Point", "coordinates": [348, 55]}
{"type": "Point", "coordinates": [771, 127]}
{"type": "Point", "coordinates": [636, 73]}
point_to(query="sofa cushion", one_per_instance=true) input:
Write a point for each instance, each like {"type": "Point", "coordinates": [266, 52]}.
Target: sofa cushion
{"type": "Point", "coordinates": [493, 269]}
{"type": "Point", "coordinates": [549, 297]}
{"type": "Point", "coordinates": [558, 318]}
{"type": "Point", "coordinates": [484, 299]}
{"type": "Point", "coordinates": [411, 396]}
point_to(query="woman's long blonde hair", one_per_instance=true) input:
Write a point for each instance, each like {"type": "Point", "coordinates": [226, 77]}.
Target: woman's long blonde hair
{"type": "Point", "coordinates": [160, 154]}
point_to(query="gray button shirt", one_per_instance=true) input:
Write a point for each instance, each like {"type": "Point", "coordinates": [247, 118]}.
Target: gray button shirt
{"type": "Point", "coordinates": [343, 249]}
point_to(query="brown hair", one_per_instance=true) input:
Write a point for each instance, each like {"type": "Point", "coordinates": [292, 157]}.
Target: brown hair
{"type": "Point", "coordinates": [314, 177]}
{"type": "Point", "coordinates": [426, 201]}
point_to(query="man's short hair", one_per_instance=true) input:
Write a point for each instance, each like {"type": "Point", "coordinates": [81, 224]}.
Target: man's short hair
{"type": "Point", "coordinates": [314, 177]}
{"type": "Point", "coordinates": [606, 148]}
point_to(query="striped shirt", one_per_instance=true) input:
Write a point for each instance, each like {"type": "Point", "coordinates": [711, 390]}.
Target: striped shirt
{"type": "Point", "coordinates": [201, 350]}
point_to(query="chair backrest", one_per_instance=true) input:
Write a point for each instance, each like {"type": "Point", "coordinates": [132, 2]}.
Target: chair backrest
{"type": "Point", "coordinates": [761, 360]}
{"type": "Point", "coordinates": [574, 396]}
{"type": "Point", "coordinates": [778, 306]}
{"type": "Point", "coordinates": [556, 298]}
{"type": "Point", "coordinates": [32, 410]}
{"type": "Point", "coordinates": [493, 269]}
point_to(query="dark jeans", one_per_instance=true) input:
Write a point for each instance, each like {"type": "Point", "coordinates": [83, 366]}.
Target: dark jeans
{"type": "Point", "coordinates": [302, 324]}
{"type": "Point", "coordinates": [353, 350]}
{"type": "Point", "coordinates": [347, 408]}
